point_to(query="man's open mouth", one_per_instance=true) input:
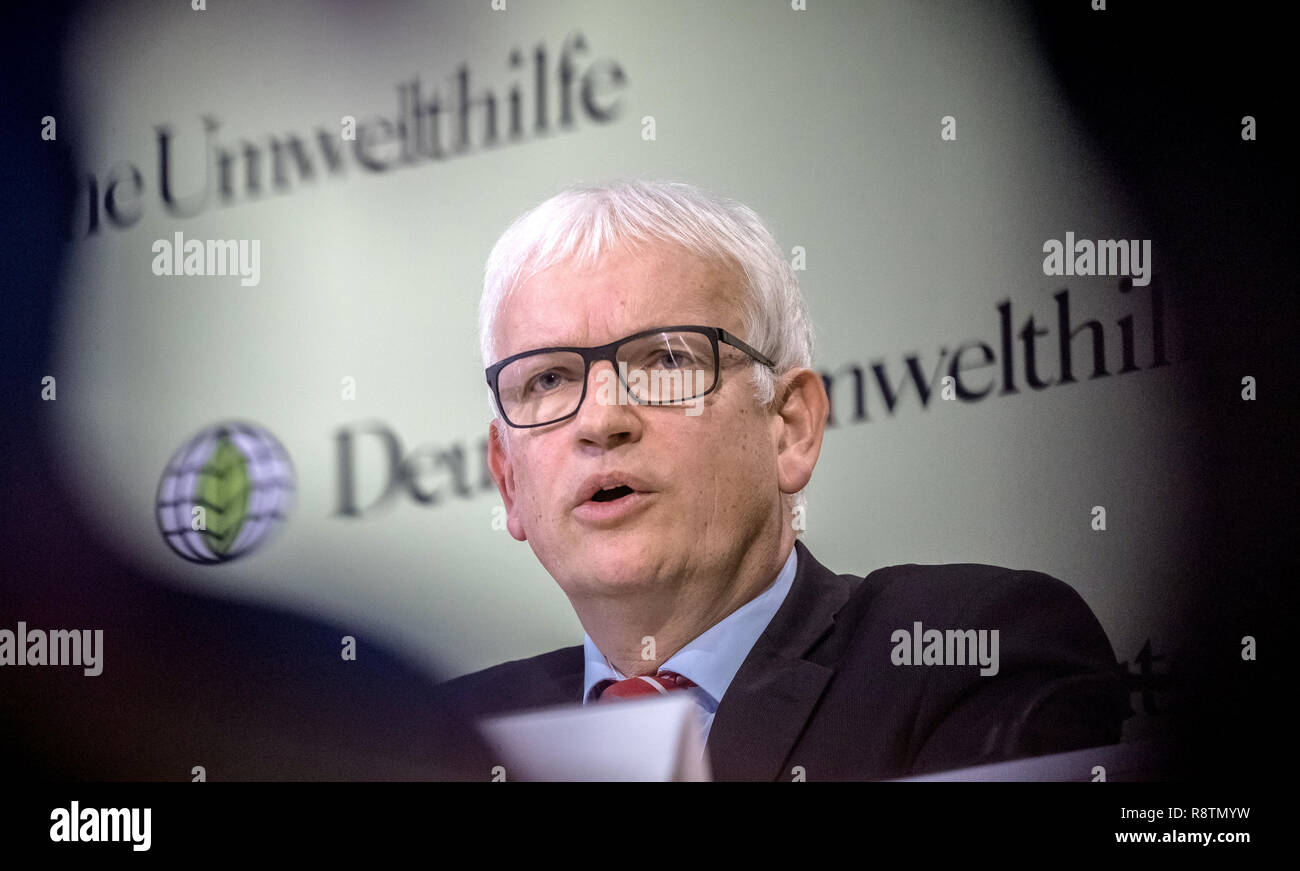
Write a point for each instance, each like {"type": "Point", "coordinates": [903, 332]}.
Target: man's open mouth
{"type": "Point", "coordinates": [615, 485]}
{"type": "Point", "coordinates": [612, 494]}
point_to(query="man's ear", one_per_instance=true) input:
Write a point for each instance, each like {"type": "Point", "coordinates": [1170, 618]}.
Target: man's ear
{"type": "Point", "coordinates": [801, 410]}
{"type": "Point", "coordinates": [504, 474]}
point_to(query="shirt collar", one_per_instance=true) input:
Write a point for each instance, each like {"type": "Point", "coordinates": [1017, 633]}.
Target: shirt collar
{"type": "Point", "coordinates": [712, 659]}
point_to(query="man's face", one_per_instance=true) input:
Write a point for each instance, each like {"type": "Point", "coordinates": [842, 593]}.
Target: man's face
{"type": "Point", "coordinates": [707, 480]}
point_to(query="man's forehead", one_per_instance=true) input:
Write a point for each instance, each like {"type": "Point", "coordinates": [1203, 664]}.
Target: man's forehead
{"type": "Point", "coordinates": [625, 291]}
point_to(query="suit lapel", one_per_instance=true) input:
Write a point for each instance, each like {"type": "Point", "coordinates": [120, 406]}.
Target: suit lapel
{"type": "Point", "coordinates": [768, 703]}
{"type": "Point", "coordinates": [561, 682]}
{"type": "Point", "coordinates": [544, 681]}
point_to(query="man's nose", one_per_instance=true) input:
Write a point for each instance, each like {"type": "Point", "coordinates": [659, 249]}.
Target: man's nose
{"type": "Point", "coordinates": [606, 418]}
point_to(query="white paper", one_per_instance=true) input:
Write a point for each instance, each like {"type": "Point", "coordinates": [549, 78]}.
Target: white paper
{"type": "Point", "coordinates": [656, 739]}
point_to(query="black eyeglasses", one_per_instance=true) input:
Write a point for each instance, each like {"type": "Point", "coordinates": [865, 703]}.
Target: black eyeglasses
{"type": "Point", "coordinates": [660, 366]}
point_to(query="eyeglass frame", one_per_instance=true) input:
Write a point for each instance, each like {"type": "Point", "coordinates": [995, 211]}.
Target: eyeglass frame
{"type": "Point", "coordinates": [609, 352]}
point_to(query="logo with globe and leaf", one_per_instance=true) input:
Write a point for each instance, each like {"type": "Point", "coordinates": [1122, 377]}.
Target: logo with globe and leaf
{"type": "Point", "coordinates": [224, 492]}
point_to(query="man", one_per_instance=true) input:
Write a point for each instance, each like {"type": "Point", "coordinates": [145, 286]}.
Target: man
{"type": "Point", "coordinates": [648, 352]}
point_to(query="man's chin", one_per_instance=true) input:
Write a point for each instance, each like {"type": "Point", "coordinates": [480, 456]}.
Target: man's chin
{"type": "Point", "coordinates": [621, 562]}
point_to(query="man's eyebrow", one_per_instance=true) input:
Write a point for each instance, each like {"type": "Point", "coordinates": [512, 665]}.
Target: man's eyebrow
{"type": "Point", "coordinates": [641, 329]}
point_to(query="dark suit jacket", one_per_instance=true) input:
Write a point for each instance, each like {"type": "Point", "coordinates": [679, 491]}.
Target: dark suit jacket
{"type": "Point", "coordinates": [819, 688]}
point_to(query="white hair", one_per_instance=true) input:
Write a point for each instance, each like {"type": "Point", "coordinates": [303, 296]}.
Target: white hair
{"type": "Point", "coordinates": [585, 222]}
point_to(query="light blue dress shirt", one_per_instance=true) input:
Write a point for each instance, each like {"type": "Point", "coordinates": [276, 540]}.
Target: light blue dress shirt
{"type": "Point", "coordinates": [714, 657]}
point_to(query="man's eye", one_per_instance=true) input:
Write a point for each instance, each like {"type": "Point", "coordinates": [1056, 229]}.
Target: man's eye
{"type": "Point", "coordinates": [547, 381]}
{"type": "Point", "coordinates": [669, 360]}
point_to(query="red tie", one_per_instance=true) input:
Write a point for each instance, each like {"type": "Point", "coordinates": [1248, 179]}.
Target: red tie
{"type": "Point", "coordinates": [660, 684]}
